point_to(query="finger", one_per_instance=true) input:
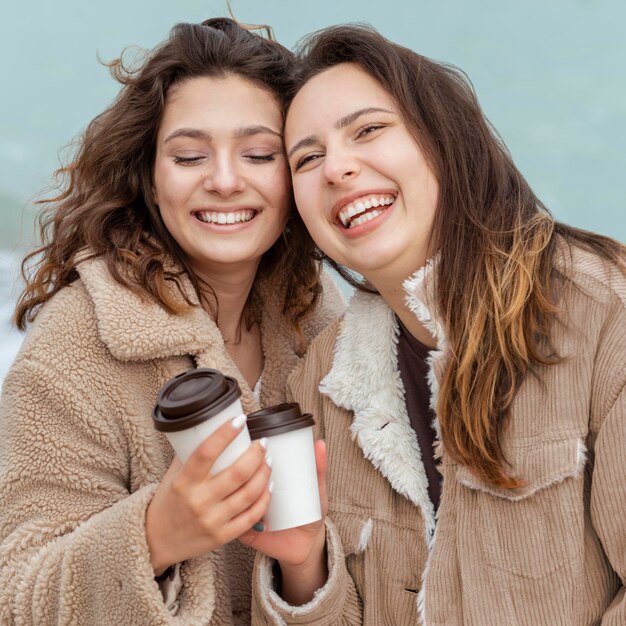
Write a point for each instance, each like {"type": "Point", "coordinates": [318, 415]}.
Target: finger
{"type": "Point", "coordinates": [241, 524]}
{"type": "Point", "coordinates": [248, 493]}
{"type": "Point", "coordinates": [321, 462]}
{"type": "Point", "coordinates": [172, 471]}
{"type": "Point", "coordinates": [229, 480]}
{"type": "Point", "coordinates": [201, 460]}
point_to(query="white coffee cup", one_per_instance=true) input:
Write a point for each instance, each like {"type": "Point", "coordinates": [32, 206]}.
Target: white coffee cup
{"type": "Point", "coordinates": [193, 405]}
{"type": "Point", "coordinates": [295, 495]}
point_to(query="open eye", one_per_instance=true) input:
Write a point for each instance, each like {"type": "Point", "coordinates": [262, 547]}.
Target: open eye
{"type": "Point", "coordinates": [306, 160]}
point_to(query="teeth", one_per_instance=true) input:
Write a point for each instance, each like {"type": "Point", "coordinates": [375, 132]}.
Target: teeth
{"type": "Point", "coordinates": [225, 218]}
{"type": "Point", "coordinates": [355, 209]}
{"type": "Point", "coordinates": [357, 221]}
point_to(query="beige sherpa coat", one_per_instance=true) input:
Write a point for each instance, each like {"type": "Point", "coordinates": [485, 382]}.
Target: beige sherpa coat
{"type": "Point", "coordinates": [551, 553]}
{"type": "Point", "coordinates": [80, 459]}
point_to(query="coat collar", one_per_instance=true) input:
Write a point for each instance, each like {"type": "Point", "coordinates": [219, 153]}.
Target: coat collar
{"type": "Point", "coordinates": [136, 329]}
{"type": "Point", "coordinates": [365, 379]}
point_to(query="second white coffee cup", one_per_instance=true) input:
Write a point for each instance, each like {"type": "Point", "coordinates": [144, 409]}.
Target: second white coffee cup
{"type": "Point", "coordinates": [295, 495]}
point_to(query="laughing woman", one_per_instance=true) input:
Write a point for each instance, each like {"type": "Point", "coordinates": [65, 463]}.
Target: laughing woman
{"type": "Point", "coordinates": [175, 243]}
{"type": "Point", "coordinates": [472, 397]}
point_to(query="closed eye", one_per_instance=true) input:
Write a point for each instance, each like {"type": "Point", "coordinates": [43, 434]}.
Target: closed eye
{"type": "Point", "coordinates": [179, 160]}
{"type": "Point", "coordinates": [261, 158]}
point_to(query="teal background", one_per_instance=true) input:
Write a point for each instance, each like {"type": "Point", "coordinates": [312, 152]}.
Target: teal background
{"type": "Point", "coordinates": [550, 74]}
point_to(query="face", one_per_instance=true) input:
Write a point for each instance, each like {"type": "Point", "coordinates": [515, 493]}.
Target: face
{"type": "Point", "coordinates": [221, 179]}
{"type": "Point", "coordinates": [362, 184]}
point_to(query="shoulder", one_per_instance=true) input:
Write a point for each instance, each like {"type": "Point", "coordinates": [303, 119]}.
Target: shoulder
{"type": "Point", "coordinates": [64, 330]}
{"type": "Point", "coordinates": [330, 306]}
{"type": "Point", "coordinates": [593, 309]}
{"type": "Point", "coordinates": [597, 278]}
{"type": "Point", "coordinates": [318, 360]}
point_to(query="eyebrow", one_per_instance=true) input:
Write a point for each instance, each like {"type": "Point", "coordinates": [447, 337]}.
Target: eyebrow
{"type": "Point", "coordinates": [342, 122]}
{"type": "Point", "coordinates": [259, 129]}
{"type": "Point", "coordinates": [246, 131]}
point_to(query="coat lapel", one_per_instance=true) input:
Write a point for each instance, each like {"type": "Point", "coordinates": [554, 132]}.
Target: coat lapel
{"type": "Point", "coordinates": [365, 379]}
{"type": "Point", "coordinates": [135, 329]}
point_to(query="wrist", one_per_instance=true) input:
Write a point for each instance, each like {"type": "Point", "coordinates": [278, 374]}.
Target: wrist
{"type": "Point", "coordinates": [158, 559]}
{"type": "Point", "coordinates": [300, 581]}
{"type": "Point", "coordinates": [316, 555]}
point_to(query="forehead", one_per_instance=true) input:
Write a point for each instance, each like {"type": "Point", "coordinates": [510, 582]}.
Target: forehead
{"type": "Point", "coordinates": [220, 101]}
{"type": "Point", "coordinates": [334, 93]}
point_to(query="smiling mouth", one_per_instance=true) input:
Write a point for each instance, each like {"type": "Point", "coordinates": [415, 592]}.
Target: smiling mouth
{"type": "Point", "coordinates": [364, 209]}
{"type": "Point", "coordinates": [231, 217]}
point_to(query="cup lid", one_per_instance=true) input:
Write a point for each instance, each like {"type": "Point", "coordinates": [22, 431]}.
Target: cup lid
{"type": "Point", "coordinates": [192, 398]}
{"type": "Point", "coordinates": [278, 419]}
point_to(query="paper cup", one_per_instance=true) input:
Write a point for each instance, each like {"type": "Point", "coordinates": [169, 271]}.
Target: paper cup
{"type": "Point", "coordinates": [295, 497]}
{"type": "Point", "coordinates": [193, 405]}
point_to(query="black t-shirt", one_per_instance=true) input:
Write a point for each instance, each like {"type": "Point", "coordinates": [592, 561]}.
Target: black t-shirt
{"type": "Point", "coordinates": [413, 366]}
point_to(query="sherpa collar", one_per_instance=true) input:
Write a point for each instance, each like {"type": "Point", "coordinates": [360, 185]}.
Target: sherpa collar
{"type": "Point", "coordinates": [134, 328]}
{"type": "Point", "coordinates": [365, 379]}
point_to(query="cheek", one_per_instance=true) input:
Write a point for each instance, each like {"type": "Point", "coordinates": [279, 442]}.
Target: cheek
{"type": "Point", "coordinates": [306, 195]}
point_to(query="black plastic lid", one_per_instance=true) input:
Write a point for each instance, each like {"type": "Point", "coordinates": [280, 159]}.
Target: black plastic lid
{"type": "Point", "coordinates": [192, 398]}
{"type": "Point", "coordinates": [276, 420]}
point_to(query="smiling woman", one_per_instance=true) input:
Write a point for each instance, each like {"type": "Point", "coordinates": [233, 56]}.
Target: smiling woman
{"type": "Point", "coordinates": [174, 244]}
{"type": "Point", "coordinates": [358, 167]}
{"type": "Point", "coordinates": [472, 397]}
{"type": "Point", "coordinates": [220, 161]}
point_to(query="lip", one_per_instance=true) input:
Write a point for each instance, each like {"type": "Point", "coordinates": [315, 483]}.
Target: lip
{"type": "Point", "coordinates": [367, 227]}
{"type": "Point", "coordinates": [345, 200]}
{"type": "Point", "coordinates": [229, 227]}
{"type": "Point", "coordinates": [226, 209]}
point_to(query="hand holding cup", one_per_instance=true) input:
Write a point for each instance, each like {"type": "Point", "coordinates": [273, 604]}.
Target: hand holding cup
{"type": "Point", "coordinates": [194, 511]}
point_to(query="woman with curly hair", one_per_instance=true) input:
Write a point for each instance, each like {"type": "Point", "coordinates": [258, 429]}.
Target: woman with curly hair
{"type": "Point", "coordinates": [174, 244]}
{"type": "Point", "coordinates": [472, 397]}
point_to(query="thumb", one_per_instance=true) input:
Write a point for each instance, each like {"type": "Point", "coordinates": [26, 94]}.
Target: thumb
{"type": "Point", "coordinates": [321, 464]}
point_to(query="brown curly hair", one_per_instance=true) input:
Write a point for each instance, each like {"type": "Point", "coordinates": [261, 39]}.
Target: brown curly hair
{"type": "Point", "coordinates": [106, 204]}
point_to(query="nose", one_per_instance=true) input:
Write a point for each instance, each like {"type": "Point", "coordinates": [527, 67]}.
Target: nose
{"type": "Point", "coordinates": [339, 166]}
{"type": "Point", "coordinates": [223, 177]}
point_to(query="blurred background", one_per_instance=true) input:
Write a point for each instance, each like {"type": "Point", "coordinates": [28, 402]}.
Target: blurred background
{"type": "Point", "coordinates": [551, 77]}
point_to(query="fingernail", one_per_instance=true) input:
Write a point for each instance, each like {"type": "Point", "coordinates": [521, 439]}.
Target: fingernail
{"type": "Point", "coordinates": [238, 421]}
{"type": "Point", "coordinates": [259, 526]}
{"type": "Point", "coordinates": [263, 443]}
{"type": "Point", "coordinates": [268, 460]}
{"type": "Point", "coordinates": [270, 487]}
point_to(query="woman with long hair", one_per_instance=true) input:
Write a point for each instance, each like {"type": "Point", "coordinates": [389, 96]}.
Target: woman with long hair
{"type": "Point", "coordinates": [472, 397]}
{"type": "Point", "coordinates": [174, 243]}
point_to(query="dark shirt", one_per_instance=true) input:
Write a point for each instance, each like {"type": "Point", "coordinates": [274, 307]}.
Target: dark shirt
{"type": "Point", "coordinates": [412, 355]}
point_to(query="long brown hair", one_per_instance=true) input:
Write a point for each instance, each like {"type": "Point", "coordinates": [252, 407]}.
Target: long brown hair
{"type": "Point", "coordinates": [496, 242]}
{"type": "Point", "coordinates": [106, 204]}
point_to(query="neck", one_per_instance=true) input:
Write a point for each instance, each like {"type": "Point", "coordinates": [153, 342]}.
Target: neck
{"type": "Point", "coordinates": [393, 293]}
{"type": "Point", "coordinates": [231, 286]}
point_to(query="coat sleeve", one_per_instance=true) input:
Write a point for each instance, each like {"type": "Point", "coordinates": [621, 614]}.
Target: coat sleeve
{"type": "Point", "coordinates": [73, 543]}
{"type": "Point", "coordinates": [72, 535]}
{"type": "Point", "coordinates": [337, 603]}
{"type": "Point", "coordinates": [608, 487]}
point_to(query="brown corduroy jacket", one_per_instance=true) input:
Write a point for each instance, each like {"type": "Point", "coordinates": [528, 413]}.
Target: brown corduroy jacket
{"type": "Point", "coordinates": [80, 459]}
{"type": "Point", "coordinates": [550, 553]}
